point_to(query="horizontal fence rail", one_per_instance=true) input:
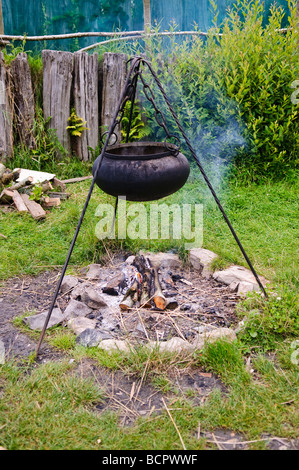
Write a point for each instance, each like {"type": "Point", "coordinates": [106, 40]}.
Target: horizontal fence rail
{"type": "Point", "coordinates": [120, 35]}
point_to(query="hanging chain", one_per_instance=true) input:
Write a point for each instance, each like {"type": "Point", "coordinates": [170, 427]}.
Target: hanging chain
{"type": "Point", "coordinates": [159, 116]}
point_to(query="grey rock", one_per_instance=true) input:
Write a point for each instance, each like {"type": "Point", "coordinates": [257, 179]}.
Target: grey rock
{"type": "Point", "coordinates": [77, 292]}
{"type": "Point", "coordinates": [92, 298]}
{"type": "Point", "coordinates": [244, 287]}
{"type": "Point", "coordinates": [202, 328]}
{"type": "Point", "coordinates": [237, 274]}
{"type": "Point", "coordinates": [164, 260]}
{"type": "Point", "coordinates": [79, 324]}
{"type": "Point", "coordinates": [91, 337]}
{"type": "Point", "coordinates": [201, 260]}
{"type": "Point", "coordinates": [76, 308]}
{"type": "Point", "coordinates": [221, 333]}
{"type": "Point", "coordinates": [112, 286]}
{"type": "Point", "coordinates": [36, 322]}
{"type": "Point", "coordinates": [115, 344]}
{"type": "Point", "coordinates": [95, 272]}
{"type": "Point", "coordinates": [211, 336]}
{"type": "Point", "coordinates": [175, 344]}
{"type": "Point", "coordinates": [141, 328]}
{"type": "Point", "coordinates": [234, 286]}
{"type": "Point", "coordinates": [68, 283]}
{"type": "Point", "coordinates": [109, 323]}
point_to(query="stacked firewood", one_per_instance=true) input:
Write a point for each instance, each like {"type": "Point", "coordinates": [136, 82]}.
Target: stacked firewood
{"type": "Point", "coordinates": [144, 288]}
{"type": "Point", "coordinates": [27, 196]}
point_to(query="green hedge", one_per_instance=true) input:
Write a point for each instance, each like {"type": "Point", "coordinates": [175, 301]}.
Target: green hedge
{"type": "Point", "coordinates": [232, 93]}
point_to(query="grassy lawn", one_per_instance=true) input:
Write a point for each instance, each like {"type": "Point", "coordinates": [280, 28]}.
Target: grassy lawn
{"type": "Point", "coordinates": [264, 216]}
{"type": "Point", "coordinates": [47, 406]}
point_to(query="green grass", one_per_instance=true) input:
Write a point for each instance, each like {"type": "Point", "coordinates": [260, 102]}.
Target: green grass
{"type": "Point", "coordinates": [265, 217]}
{"type": "Point", "coordinates": [57, 409]}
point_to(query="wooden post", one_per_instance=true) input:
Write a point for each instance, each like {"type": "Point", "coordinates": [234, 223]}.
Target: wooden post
{"type": "Point", "coordinates": [24, 105]}
{"type": "Point", "coordinates": [147, 14]}
{"type": "Point", "coordinates": [1, 19]}
{"type": "Point", "coordinates": [86, 102]}
{"type": "Point", "coordinates": [114, 74]}
{"type": "Point", "coordinates": [57, 83]}
{"type": "Point", "coordinates": [6, 112]}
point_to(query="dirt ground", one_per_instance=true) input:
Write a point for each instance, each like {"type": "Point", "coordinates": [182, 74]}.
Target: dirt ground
{"type": "Point", "coordinates": [128, 395]}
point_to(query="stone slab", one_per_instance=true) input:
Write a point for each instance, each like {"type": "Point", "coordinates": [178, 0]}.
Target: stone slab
{"type": "Point", "coordinates": [36, 322]}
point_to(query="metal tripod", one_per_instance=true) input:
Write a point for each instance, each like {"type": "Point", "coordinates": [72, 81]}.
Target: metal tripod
{"type": "Point", "coordinates": [128, 94]}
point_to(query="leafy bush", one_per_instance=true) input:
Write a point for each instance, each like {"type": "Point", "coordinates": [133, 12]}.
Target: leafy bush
{"type": "Point", "coordinates": [232, 93]}
{"type": "Point", "coordinates": [256, 67]}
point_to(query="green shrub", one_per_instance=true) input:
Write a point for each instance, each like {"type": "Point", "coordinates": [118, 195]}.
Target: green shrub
{"type": "Point", "coordinates": [256, 67]}
{"type": "Point", "coordinates": [232, 94]}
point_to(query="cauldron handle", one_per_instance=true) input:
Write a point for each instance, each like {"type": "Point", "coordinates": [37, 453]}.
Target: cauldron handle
{"type": "Point", "coordinates": [166, 144]}
{"type": "Point", "coordinates": [107, 132]}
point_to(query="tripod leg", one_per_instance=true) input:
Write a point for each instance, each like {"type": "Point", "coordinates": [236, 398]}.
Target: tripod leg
{"type": "Point", "coordinates": [114, 216]}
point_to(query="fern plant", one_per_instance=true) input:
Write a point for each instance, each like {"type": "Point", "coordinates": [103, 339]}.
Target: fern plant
{"type": "Point", "coordinates": [139, 130]}
{"type": "Point", "coordinates": [77, 125]}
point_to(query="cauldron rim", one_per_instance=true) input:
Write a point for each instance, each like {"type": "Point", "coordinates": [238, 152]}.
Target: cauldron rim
{"type": "Point", "coordinates": [169, 150]}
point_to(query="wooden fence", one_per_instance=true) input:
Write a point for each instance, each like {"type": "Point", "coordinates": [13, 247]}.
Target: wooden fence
{"type": "Point", "coordinates": [70, 80]}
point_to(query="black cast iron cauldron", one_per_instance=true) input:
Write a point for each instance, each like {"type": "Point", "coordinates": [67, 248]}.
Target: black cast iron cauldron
{"type": "Point", "coordinates": [142, 171]}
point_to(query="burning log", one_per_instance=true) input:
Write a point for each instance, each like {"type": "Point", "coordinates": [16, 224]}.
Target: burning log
{"type": "Point", "coordinates": [145, 298]}
{"type": "Point", "coordinates": [145, 289]}
{"type": "Point", "coordinates": [131, 296]}
{"type": "Point", "coordinates": [159, 300]}
{"type": "Point", "coordinates": [144, 268]}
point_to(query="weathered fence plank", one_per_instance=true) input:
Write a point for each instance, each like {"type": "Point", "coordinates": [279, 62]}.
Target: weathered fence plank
{"type": "Point", "coordinates": [6, 112]}
{"type": "Point", "coordinates": [24, 106]}
{"type": "Point", "coordinates": [114, 74]}
{"type": "Point", "coordinates": [86, 102]}
{"type": "Point", "coordinates": [57, 84]}
{"type": "Point", "coordinates": [69, 80]}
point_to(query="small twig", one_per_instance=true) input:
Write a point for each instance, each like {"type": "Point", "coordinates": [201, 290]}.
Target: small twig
{"type": "Point", "coordinates": [176, 428]}
{"type": "Point", "coordinates": [76, 180]}
{"type": "Point", "coordinates": [143, 325]}
{"type": "Point", "coordinates": [125, 407]}
{"type": "Point", "coordinates": [143, 375]}
{"type": "Point", "coordinates": [28, 291]}
{"type": "Point", "coordinates": [287, 402]}
{"type": "Point", "coordinates": [198, 431]}
{"type": "Point", "coordinates": [132, 391]}
{"type": "Point", "coordinates": [176, 326]}
{"type": "Point", "coordinates": [242, 442]}
{"type": "Point", "coordinates": [216, 442]}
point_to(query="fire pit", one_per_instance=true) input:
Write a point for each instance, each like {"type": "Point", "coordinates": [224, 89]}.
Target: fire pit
{"type": "Point", "coordinates": [147, 299]}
